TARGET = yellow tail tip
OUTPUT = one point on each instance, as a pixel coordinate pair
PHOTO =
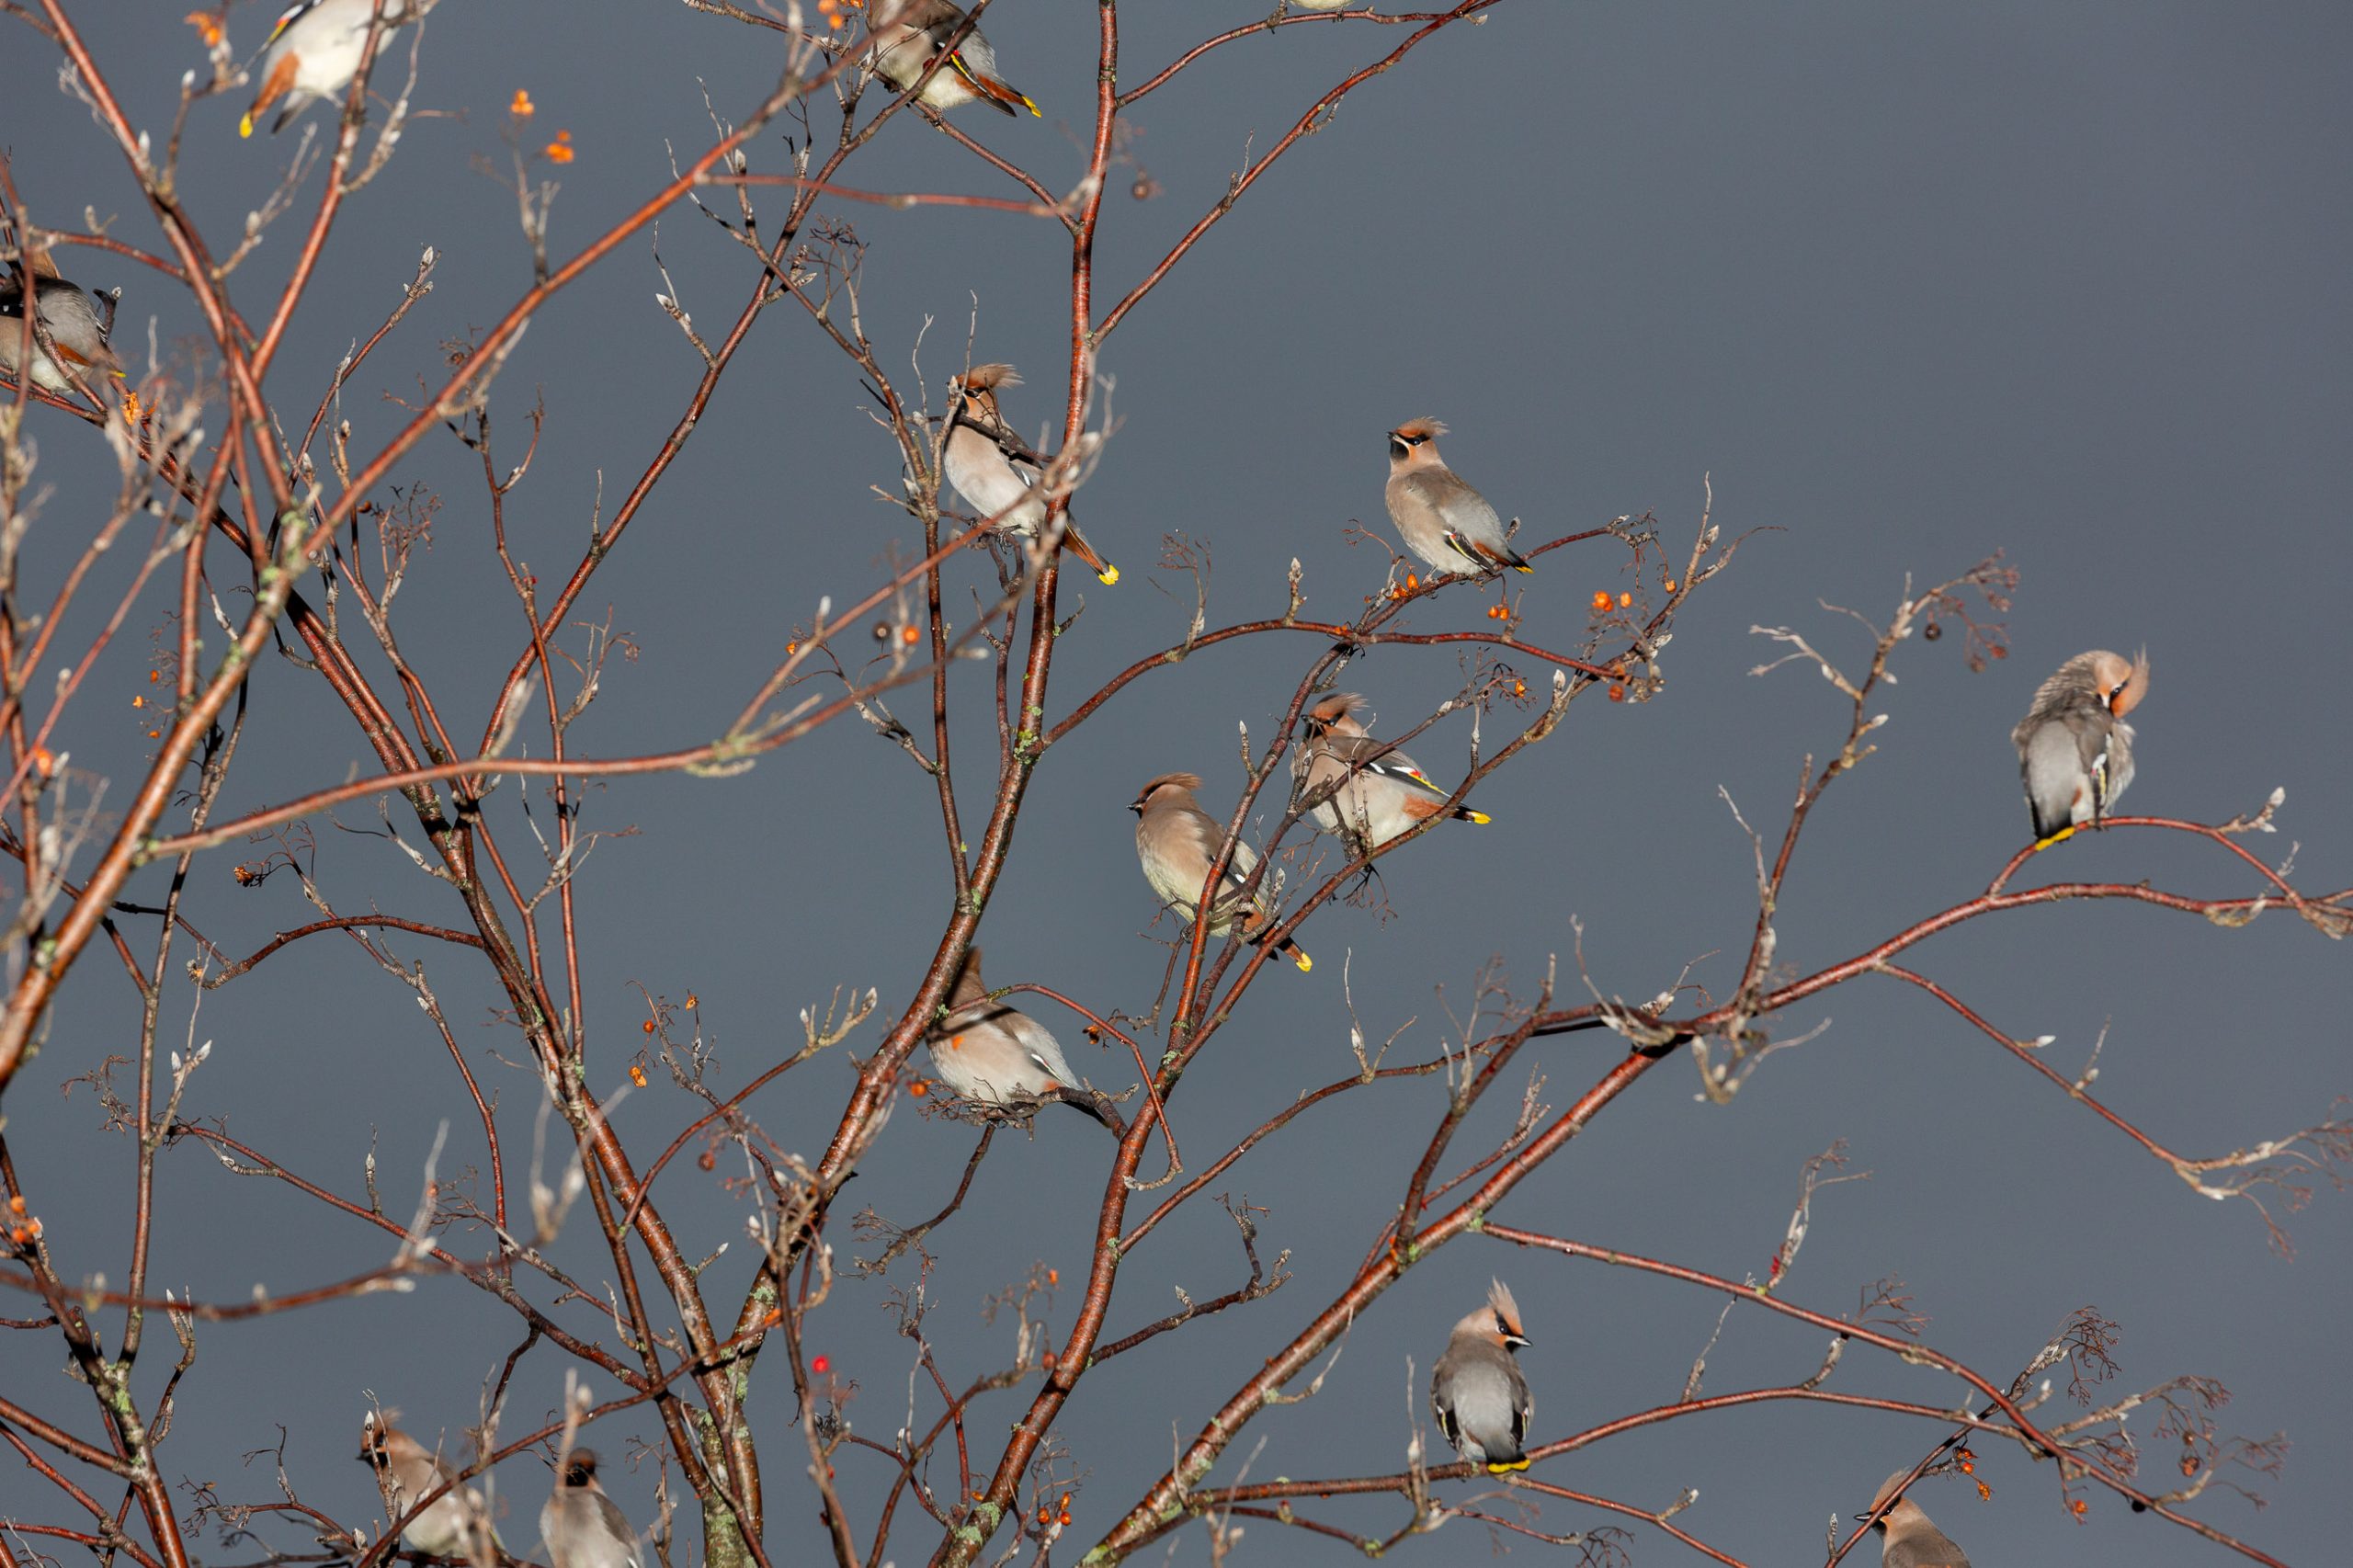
(1109, 574)
(1482, 818)
(1506, 1469)
(245, 126)
(1304, 961)
(1035, 112)
(2061, 836)
(1522, 566)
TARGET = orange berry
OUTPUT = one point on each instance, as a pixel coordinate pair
(1519, 688)
(1065, 1516)
(153, 734)
(909, 635)
(1616, 692)
(919, 1088)
(690, 998)
(820, 1365)
(1670, 585)
(44, 760)
(140, 700)
(708, 1161)
(17, 1204)
(2080, 1506)
(522, 108)
(1412, 580)
(648, 1026)
(1601, 601)
(1624, 600)
(207, 27)
(1053, 1277)
(637, 1074)
(1984, 1493)
(154, 676)
(560, 150)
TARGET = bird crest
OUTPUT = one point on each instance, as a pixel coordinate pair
(1416, 431)
(988, 378)
(1338, 706)
(1506, 1310)
(1185, 781)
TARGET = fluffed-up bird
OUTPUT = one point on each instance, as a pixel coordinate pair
(1911, 1540)
(448, 1525)
(581, 1527)
(988, 1051)
(78, 322)
(1478, 1392)
(2075, 748)
(1379, 795)
(311, 55)
(1439, 515)
(995, 473)
(1178, 841)
(907, 34)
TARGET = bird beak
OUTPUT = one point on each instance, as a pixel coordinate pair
(1517, 1341)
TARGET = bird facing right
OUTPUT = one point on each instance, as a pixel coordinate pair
(1441, 518)
(311, 55)
(1376, 795)
(908, 33)
(73, 321)
(406, 1470)
(1178, 841)
(2074, 749)
(1911, 1542)
(581, 1526)
(1477, 1390)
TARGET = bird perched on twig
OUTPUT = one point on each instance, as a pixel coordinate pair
(1384, 793)
(987, 1052)
(1440, 517)
(906, 35)
(1911, 1542)
(995, 472)
(2075, 748)
(582, 1527)
(406, 1470)
(1178, 841)
(79, 324)
(1478, 1392)
(311, 55)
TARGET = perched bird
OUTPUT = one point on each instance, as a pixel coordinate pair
(1441, 518)
(78, 323)
(2075, 748)
(907, 35)
(407, 1470)
(1384, 793)
(985, 1051)
(311, 55)
(1178, 841)
(581, 1527)
(1480, 1399)
(1911, 1542)
(994, 472)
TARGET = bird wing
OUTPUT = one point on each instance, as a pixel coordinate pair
(615, 1521)
(1363, 755)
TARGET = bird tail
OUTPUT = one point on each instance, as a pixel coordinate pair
(1494, 1467)
(1000, 95)
(1076, 542)
(1296, 953)
(1464, 813)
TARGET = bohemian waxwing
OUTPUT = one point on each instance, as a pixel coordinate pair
(1912, 1541)
(985, 1051)
(581, 1527)
(908, 33)
(1179, 842)
(994, 472)
(1384, 793)
(78, 323)
(1441, 518)
(312, 54)
(1480, 1399)
(2074, 749)
(406, 1470)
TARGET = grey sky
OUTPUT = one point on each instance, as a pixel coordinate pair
(1909, 284)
